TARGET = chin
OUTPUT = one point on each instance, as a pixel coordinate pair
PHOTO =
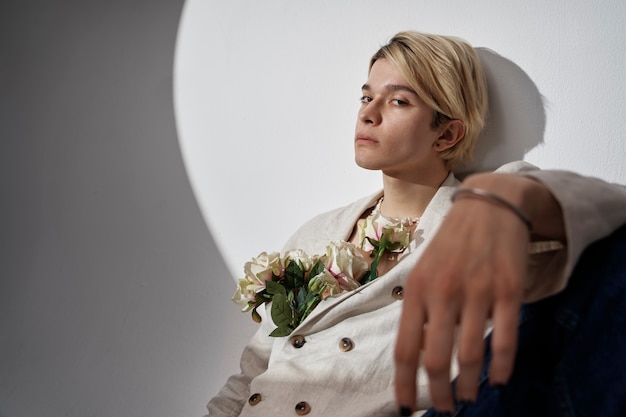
(366, 164)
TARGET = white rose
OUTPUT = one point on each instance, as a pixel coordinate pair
(375, 226)
(245, 294)
(263, 267)
(346, 263)
(260, 269)
(304, 261)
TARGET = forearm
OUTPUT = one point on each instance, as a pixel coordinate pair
(530, 196)
(562, 206)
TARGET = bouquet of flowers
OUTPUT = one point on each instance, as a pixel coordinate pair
(296, 282)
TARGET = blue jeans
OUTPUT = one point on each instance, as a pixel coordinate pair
(571, 358)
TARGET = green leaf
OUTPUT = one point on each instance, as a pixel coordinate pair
(300, 300)
(316, 269)
(281, 331)
(281, 311)
(294, 275)
(375, 243)
(374, 266)
(274, 288)
(394, 246)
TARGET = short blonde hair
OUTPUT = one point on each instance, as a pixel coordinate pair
(446, 73)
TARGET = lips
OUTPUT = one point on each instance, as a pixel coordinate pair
(364, 139)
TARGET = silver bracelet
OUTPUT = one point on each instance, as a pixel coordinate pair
(477, 192)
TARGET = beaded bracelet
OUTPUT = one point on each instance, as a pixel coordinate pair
(477, 192)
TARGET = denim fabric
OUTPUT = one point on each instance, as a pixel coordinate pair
(571, 358)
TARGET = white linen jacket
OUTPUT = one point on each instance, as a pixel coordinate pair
(339, 361)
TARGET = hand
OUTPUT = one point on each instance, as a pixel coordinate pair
(474, 269)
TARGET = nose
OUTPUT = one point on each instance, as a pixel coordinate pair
(369, 113)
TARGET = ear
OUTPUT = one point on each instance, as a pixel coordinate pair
(451, 133)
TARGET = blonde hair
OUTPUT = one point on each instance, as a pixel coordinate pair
(446, 73)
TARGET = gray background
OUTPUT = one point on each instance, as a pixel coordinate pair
(106, 265)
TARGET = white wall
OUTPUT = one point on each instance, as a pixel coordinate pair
(267, 92)
(113, 296)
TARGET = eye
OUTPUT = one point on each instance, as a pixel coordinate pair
(399, 102)
(365, 99)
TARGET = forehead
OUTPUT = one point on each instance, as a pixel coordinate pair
(384, 74)
(383, 68)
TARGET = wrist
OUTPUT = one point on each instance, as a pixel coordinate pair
(528, 195)
(492, 198)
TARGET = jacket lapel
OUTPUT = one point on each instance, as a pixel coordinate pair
(366, 295)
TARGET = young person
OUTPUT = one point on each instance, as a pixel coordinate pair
(509, 236)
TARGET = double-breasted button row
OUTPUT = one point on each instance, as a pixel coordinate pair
(345, 344)
(302, 408)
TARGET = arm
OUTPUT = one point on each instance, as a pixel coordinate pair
(475, 269)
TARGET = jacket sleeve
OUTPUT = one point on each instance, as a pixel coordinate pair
(592, 209)
(254, 360)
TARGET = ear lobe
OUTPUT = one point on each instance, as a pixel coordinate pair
(451, 133)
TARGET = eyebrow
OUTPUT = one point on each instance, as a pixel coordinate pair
(391, 87)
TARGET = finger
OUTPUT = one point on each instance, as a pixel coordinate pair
(438, 353)
(471, 347)
(408, 348)
(504, 339)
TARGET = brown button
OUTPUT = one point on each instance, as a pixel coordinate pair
(254, 399)
(298, 341)
(346, 344)
(303, 408)
(397, 293)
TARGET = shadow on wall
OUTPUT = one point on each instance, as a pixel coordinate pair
(517, 117)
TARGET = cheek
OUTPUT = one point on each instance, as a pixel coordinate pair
(404, 127)
(405, 137)
(422, 134)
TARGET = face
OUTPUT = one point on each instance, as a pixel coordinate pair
(393, 130)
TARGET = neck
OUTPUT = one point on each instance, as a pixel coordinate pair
(408, 198)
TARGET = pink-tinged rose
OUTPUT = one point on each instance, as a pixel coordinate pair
(375, 226)
(324, 284)
(346, 263)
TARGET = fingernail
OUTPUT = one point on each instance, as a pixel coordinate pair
(405, 411)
